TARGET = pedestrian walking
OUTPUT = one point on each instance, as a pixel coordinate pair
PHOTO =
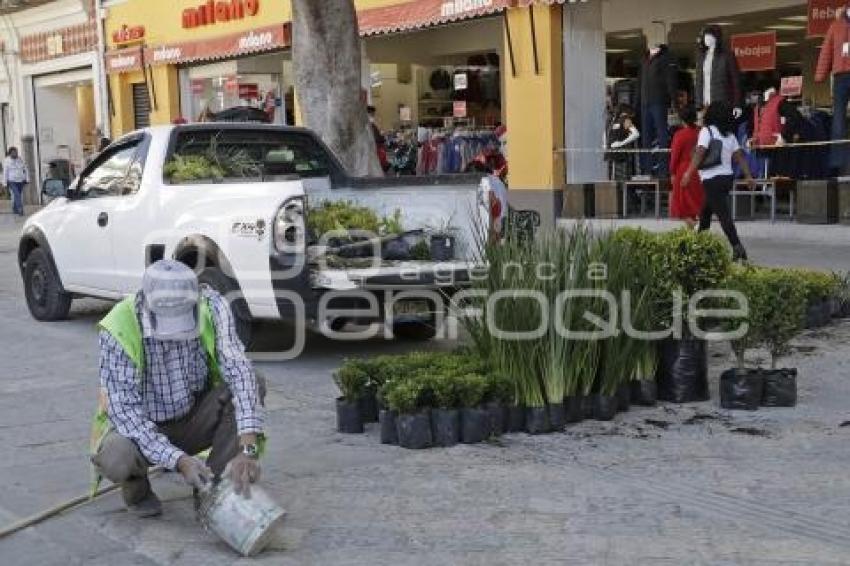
(15, 177)
(717, 146)
(686, 201)
(175, 381)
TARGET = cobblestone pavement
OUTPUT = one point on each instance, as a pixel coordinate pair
(663, 486)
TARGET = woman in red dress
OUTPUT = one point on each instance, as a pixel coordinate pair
(685, 202)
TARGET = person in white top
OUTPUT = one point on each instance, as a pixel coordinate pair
(15, 177)
(718, 177)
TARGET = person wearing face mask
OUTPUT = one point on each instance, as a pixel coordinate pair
(718, 78)
(835, 59)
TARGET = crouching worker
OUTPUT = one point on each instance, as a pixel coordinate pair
(175, 381)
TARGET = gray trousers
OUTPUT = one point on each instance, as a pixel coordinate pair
(210, 424)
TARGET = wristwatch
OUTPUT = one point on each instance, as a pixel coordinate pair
(251, 451)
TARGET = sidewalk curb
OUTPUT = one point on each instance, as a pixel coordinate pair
(833, 234)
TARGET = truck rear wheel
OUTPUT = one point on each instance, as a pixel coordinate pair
(45, 298)
(229, 289)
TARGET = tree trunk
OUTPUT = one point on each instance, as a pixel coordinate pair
(327, 59)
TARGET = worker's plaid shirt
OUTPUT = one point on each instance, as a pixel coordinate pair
(175, 375)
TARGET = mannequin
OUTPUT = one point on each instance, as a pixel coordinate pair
(656, 93)
(835, 59)
(718, 77)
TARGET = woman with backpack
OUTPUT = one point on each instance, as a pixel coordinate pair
(716, 148)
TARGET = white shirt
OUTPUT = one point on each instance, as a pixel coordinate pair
(15, 171)
(706, 77)
(730, 146)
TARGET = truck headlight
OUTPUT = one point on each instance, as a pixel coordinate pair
(290, 227)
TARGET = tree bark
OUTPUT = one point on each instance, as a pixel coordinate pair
(327, 60)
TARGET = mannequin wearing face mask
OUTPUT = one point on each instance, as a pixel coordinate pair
(656, 93)
(718, 78)
(834, 59)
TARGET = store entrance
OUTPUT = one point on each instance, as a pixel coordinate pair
(760, 64)
(437, 98)
(66, 126)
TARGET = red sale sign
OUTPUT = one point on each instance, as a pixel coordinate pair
(755, 51)
(791, 87)
(821, 15)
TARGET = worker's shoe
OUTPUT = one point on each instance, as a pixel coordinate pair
(149, 506)
(140, 499)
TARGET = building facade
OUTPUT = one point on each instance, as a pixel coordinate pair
(544, 69)
(52, 101)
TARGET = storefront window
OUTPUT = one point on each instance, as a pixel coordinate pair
(232, 92)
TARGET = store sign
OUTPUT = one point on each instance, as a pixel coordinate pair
(249, 91)
(405, 114)
(755, 51)
(55, 45)
(821, 15)
(163, 55)
(462, 7)
(459, 109)
(791, 87)
(127, 34)
(212, 12)
(198, 86)
(461, 81)
(231, 85)
(123, 60)
(234, 45)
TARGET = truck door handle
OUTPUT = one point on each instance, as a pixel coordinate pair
(102, 219)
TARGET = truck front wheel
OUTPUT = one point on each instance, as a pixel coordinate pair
(229, 289)
(45, 298)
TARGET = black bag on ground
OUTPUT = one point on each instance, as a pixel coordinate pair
(780, 388)
(683, 371)
(741, 390)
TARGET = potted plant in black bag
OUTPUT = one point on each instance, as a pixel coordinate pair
(693, 261)
(781, 324)
(445, 416)
(351, 381)
(407, 397)
(742, 387)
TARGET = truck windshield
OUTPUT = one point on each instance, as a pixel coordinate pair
(245, 154)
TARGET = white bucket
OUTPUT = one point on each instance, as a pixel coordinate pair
(245, 524)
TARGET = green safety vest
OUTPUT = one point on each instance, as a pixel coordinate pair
(123, 324)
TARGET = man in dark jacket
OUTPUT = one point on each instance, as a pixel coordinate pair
(656, 94)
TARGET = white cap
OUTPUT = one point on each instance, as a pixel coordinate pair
(171, 295)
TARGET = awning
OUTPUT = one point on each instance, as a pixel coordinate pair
(258, 40)
(421, 14)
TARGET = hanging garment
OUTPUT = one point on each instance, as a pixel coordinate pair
(725, 80)
(832, 58)
(768, 122)
(657, 79)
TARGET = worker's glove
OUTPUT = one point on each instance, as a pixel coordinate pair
(616, 145)
(194, 472)
(243, 470)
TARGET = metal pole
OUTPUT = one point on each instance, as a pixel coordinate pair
(510, 44)
(534, 41)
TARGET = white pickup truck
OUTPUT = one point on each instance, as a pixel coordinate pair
(245, 233)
